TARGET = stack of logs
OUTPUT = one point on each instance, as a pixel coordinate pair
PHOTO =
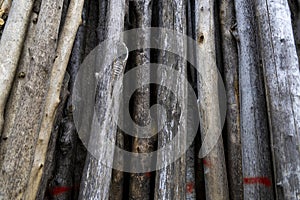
(256, 47)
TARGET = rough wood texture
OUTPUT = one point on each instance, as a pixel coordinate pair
(51, 160)
(170, 181)
(11, 42)
(65, 155)
(22, 136)
(64, 48)
(282, 83)
(139, 188)
(231, 80)
(215, 170)
(254, 129)
(98, 187)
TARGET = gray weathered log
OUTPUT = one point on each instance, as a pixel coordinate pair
(254, 126)
(98, 186)
(231, 73)
(282, 83)
(170, 181)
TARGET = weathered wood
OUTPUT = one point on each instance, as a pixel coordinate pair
(98, 186)
(64, 48)
(22, 136)
(65, 155)
(51, 159)
(170, 181)
(295, 11)
(254, 126)
(215, 170)
(140, 182)
(231, 80)
(282, 83)
(12, 42)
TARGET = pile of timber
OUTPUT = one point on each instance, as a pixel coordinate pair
(254, 44)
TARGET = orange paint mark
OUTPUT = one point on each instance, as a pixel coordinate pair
(190, 187)
(258, 180)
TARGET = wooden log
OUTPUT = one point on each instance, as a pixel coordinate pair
(64, 48)
(98, 186)
(140, 182)
(231, 80)
(295, 14)
(51, 159)
(170, 181)
(282, 84)
(65, 155)
(257, 165)
(12, 42)
(215, 170)
(21, 141)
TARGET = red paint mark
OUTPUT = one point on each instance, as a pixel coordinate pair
(189, 187)
(258, 180)
(148, 174)
(59, 190)
(206, 163)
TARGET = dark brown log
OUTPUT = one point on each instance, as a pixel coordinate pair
(140, 182)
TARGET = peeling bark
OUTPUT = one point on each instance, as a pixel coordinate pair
(231, 74)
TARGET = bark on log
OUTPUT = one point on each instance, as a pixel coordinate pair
(282, 83)
(98, 187)
(170, 181)
(231, 80)
(140, 182)
(11, 42)
(254, 129)
(215, 170)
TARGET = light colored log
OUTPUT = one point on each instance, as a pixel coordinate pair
(11, 43)
(63, 53)
(210, 118)
(20, 142)
(282, 83)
